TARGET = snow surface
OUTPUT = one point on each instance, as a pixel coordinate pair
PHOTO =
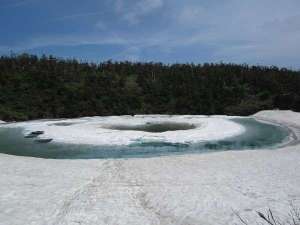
(94, 131)
(176, 190)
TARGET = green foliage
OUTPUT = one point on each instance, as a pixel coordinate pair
(47, 87)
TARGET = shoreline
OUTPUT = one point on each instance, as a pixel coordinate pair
(294, 137)
(293, 129)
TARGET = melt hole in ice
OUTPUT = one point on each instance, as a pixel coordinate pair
(153, 127)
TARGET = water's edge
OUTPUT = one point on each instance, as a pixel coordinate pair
(259, 134)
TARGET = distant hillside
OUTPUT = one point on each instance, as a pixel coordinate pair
(47, 87)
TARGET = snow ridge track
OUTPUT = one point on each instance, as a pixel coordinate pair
(111, 191)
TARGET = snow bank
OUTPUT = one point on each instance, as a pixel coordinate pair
(287, 117)
(95, 131)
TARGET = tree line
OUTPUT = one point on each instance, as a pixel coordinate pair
(33, 87)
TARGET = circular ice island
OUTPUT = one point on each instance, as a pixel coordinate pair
(137, 136)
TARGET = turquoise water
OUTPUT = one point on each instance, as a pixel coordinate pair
(258, 135)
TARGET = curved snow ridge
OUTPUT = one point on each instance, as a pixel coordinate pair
(96, 131)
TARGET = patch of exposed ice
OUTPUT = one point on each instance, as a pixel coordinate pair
(95, 130)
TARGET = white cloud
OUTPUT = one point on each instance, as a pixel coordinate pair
(193, 16)
(134, 13)
(252, 31)
(77, 16)
(101, 25)
(119, 5)
(290, 24)
(132, 54)
(66, 40)
(18, 3)
(234, 30)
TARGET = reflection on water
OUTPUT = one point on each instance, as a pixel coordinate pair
(257, 135)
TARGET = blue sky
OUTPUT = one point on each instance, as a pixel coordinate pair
(241, 31)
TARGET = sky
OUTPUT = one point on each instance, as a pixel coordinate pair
(264, 32)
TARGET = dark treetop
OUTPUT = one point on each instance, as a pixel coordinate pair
(47, 87)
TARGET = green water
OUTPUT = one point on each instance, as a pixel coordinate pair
(258, 135)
